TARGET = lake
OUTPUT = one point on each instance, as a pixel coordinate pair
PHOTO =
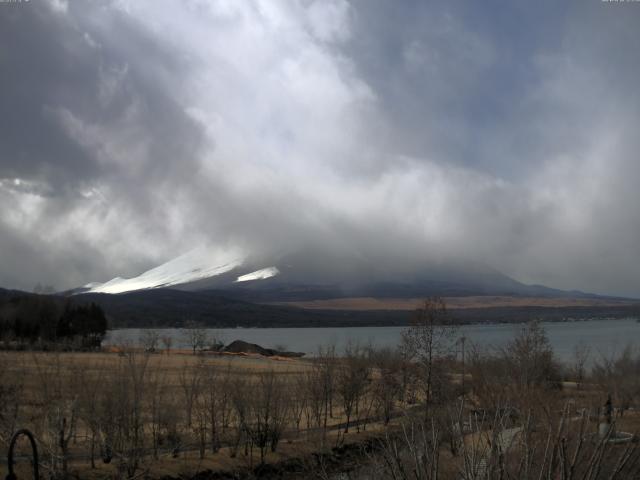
(604, 337)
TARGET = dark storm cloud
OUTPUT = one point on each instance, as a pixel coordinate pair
(85, 109)
(454, 77)
(134, 131)
(36, 72)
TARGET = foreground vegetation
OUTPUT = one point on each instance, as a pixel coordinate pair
(436, 407)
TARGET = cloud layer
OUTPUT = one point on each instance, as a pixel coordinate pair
(133, 131)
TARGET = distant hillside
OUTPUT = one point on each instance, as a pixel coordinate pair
(172, 308)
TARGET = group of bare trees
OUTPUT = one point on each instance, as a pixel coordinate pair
(496, 447)
(130, 413)
(194, 335)
(129, 409)
(506, 414)
(495, 413)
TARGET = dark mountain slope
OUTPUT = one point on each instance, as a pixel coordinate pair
(172, 308)
(302, 280)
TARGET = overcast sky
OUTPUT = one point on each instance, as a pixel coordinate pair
(132, 131)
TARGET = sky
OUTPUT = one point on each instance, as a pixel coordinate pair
(132, 131)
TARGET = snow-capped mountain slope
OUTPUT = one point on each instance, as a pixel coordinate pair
(195, 265)
(318, 273)
(261, 274)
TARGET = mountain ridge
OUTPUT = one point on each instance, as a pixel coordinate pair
(317, 274)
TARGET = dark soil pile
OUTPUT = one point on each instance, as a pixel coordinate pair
(239, 346)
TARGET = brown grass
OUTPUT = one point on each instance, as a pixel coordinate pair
(370, 303)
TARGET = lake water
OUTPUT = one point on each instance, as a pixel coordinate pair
(604, 337)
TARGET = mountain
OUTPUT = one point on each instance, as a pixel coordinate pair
(200, 263)
(328, 287)
(317, 287)
(318, 274)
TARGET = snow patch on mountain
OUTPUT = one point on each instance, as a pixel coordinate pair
(195, 265)
(261, 274)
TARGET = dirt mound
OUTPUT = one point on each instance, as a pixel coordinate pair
(240, 346)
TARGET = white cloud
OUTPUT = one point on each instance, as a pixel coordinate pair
(329, 20)
(58, 6)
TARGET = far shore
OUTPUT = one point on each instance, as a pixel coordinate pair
(456, 303)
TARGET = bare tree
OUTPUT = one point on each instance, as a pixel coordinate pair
(60, 409)
(195, 336)
(167, 342)
(240, 398)
(314, 383)
(122, 413)
(150, 340)
(91, 389)
(201, 413)
(531, 357)
(158, 407)
(581, 353)
(387, 383)
(225, 397)
(352, 378)
(411, 454)
(267, 413)
(190, 379)
(521, 377)
(556, 448)
(428, 339)
(491, 382)
(213, 404)
(324, 382)
(298, 403)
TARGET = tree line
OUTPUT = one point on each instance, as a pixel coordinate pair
(46, 320)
